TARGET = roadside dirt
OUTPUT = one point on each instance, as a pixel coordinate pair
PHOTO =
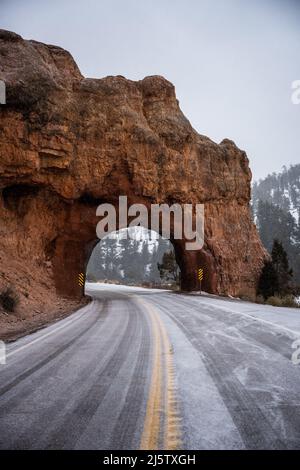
(38, 303)
(12, 326)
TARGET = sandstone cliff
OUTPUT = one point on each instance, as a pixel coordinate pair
(68, 143)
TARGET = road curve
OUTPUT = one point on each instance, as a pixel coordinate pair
(149, 369)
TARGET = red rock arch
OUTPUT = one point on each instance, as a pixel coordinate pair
(68, 143)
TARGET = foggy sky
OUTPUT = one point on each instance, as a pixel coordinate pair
(232, 61)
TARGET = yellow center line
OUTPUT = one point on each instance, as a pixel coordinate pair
(172, 439)
(150, 435)
(161, 401)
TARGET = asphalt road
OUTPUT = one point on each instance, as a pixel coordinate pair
(139, 368)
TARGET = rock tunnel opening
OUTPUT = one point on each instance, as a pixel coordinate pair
(134, 256)
(71, 248)
(73, 254)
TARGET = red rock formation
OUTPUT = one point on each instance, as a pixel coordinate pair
(68, 143)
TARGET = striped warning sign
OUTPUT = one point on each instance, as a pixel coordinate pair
(200, 274)
(81, 279)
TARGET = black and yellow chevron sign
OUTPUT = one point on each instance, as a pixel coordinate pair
(200, 274)
(81, 279)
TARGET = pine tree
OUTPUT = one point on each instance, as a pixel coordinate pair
(281, 266)
(273, 222)
(276, 209)
(168, 269)
(268, 284)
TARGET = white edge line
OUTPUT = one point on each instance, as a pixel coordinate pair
(40, 338)
(261, 320)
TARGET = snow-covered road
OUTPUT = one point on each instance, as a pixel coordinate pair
(146, 368)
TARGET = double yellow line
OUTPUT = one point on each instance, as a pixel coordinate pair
(162, 422)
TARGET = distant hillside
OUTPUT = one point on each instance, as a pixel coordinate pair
(129, 260)
(280, 189)
(276, 211)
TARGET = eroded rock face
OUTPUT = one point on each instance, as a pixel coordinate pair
(68, 143)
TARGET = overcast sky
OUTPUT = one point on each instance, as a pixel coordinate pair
(232, 61)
